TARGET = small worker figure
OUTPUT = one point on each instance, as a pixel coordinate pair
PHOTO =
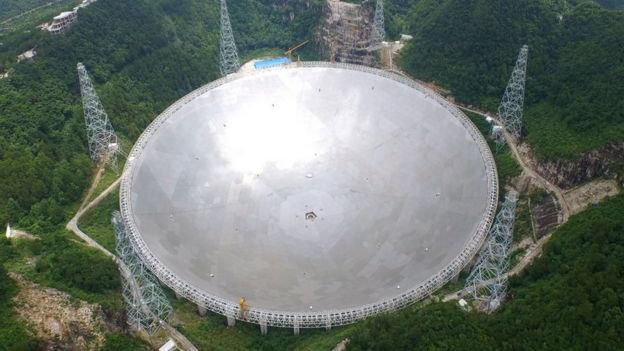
(244, 308)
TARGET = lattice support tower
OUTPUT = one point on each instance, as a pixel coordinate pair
(146, 303)
(378, 33)
(104, 145)
(510, 108)
(229, 53)
(487, 282)
(498, 135)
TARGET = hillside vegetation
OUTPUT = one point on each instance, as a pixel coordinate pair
(574, 100)
(571, 298)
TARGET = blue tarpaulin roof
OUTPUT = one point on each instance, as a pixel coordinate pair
(272, 62)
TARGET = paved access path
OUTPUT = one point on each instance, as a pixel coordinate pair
(72, 226)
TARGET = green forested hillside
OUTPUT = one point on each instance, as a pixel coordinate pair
(571, 298)
(575, 101)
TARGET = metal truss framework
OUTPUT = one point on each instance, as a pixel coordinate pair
(327, 318)
(378, 33)
(227, 47)
(487, 282)
(497, 134)
(103, 142)
(146, 304)
(510, 108)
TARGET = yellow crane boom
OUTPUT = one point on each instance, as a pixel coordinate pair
(290, 51)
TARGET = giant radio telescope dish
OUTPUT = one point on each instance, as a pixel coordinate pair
(323, 193)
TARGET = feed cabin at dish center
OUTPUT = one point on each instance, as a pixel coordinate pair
(323, 193)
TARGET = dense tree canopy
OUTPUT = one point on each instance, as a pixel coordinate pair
(571, 298)
(575, 101)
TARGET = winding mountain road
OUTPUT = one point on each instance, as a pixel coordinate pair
(72, 226)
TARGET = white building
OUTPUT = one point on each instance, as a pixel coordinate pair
(63, 21)
(170, 345)
(26, 55)
(8, 231)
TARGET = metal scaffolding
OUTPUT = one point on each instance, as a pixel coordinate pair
(510, 109)
(378, 33)
(487, 282)
(146, 304)
(104, 145)
(229, 54)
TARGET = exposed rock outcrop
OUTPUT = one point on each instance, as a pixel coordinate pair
(590, 165)
(61, 321)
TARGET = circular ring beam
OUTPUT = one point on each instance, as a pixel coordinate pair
(322, 193)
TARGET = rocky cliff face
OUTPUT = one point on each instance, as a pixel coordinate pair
(61, 321)
(345, 32)
(596, 163)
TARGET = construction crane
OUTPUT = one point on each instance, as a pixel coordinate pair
(290, 51)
